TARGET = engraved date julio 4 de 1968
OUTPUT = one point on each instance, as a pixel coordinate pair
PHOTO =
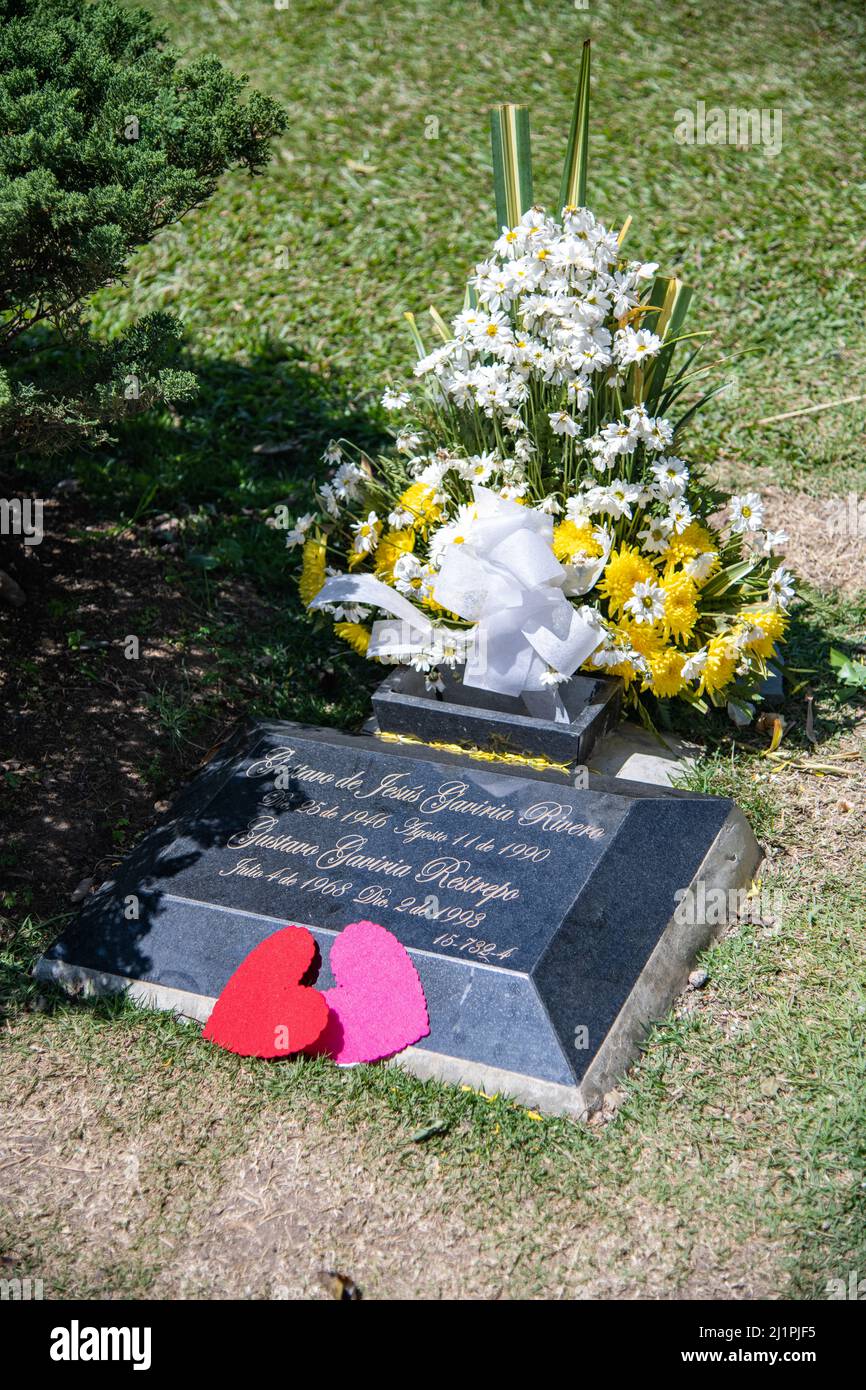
(449, 871)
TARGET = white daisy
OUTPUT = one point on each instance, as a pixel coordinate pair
(765, 542)
(579, 394)
(656, 534)
(478, 467)
(671, 475)
(747, 513)
(347, 481)
(617, 498)
(551, 506)
(329, 500)
(366, 534)
(620, 437)
(562, 423)
(298, 533)
(647, 603)
(410, 577)
(693, 665)
(408, 442)
(635, 346)
(509, 243)
(680, 515)
(456, 532)
(780, 587)
(700, 566)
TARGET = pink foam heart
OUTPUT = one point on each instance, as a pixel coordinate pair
(377, 1006)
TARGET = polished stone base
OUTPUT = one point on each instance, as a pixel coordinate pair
(402, 704)
(636, 754)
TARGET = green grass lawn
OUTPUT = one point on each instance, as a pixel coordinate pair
(361, 215)
(733, 1163)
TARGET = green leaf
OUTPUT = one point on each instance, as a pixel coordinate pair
(415, 335)
(679, 380)
(848, 672)
(668, 324)
(229, 551)
(707, 396)
(659, 297)
(430, 1131)
(440, 324)
(572, 192)
(512, 163)
(727, 578)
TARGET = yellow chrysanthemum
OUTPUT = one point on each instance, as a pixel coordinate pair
(357, 636)
(667, 672)
(625, 568)
(694, 540)
(772, 624)
(433, 607)
(624, 670)
(312, 571)
(720, 664)
(681, 611)
(419, 499)
(392, 545)
(569, 540)
(645, 638)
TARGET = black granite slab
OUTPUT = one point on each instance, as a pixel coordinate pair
(473, 718)
(532, 909)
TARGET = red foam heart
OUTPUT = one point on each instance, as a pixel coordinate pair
(377, 1006)
(264, 1010)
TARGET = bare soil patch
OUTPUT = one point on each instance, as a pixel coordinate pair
(94, 741)
(827, 537)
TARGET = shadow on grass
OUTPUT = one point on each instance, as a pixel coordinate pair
(93, 739)
(254, 435)
(819, 624)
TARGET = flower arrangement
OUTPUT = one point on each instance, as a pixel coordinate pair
(536, 516)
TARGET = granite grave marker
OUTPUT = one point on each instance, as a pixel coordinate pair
(539, 915)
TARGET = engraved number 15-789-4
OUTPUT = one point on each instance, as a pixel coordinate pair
(487, 950)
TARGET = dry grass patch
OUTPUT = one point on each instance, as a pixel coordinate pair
(827, 536)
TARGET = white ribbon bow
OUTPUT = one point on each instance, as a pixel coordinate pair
(504, 578)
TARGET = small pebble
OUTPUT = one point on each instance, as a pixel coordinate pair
(80, 893)
(698, 979)
(166, 531)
